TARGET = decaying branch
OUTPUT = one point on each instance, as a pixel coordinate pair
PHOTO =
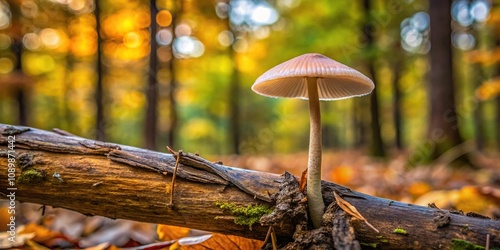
(117, 181)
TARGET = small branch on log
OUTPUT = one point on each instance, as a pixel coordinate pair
(119, 181)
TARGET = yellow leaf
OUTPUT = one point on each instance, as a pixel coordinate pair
(489, 89)
(419, 188)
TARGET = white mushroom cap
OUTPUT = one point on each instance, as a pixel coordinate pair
(335, 80)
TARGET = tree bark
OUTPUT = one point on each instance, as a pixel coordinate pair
(100, 122)
(396, 102)
(377, 147)
(443, 130)
(117, 181)
(152, 86)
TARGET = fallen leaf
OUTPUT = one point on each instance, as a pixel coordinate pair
(43, 235)
(219, 241)
(419, 188)
(167, 232)
(350, 209)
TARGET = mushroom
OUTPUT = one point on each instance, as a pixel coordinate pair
(314, 77)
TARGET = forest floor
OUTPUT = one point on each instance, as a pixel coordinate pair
(463, 189)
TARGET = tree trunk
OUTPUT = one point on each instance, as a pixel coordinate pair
(498, 122)
(234, 104)
(100, 122)
(497, 100)
(396, 102)
(377, 148)
(443, 127)
(117, 181)
(152, 87)
(173, 121)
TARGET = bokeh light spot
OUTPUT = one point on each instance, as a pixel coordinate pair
(226, 38)
(263, 14)
(240, 45)
(50, 38)
(29, 9)
(221, 9)
(480, 10)
(6, 65)
(164, 18)
(5, 41)
(463, 41)
(32, 41)
(188, 46)
(182, 29)
(132, 40)
(164, 37)
(5, 15)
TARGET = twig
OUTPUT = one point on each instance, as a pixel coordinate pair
(178, 155)
(271, 233)
(487, 247)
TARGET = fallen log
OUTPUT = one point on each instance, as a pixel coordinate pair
(118, 181)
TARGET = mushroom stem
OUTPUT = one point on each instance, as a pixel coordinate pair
(314, 194)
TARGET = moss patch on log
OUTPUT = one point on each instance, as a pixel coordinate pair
(458, 244)
(400, 231)
(31, 176)
(245, 215)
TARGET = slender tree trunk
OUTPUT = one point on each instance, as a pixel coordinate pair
(177, 8)
(173, 119)
(377, 148)
(100, 125)
(443, 127)
(497, 100)
(360, 122)
(234, 104)
(396, 102)
(234, 94)
(478, 111)
(498, 122)
(152, 86)
(20, 94)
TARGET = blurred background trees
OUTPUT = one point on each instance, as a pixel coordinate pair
(178, 73)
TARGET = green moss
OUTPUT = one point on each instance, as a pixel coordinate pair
(458, 244)
(372, 245)
(31, 176)
(400, 231)
(245, 215)
(381, 238)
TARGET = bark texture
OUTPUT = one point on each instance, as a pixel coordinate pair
(117, 181)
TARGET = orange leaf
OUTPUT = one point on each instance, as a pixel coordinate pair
(303, 180)
(221, 241)
(342, 174)
(350, 209)
(167, 232)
